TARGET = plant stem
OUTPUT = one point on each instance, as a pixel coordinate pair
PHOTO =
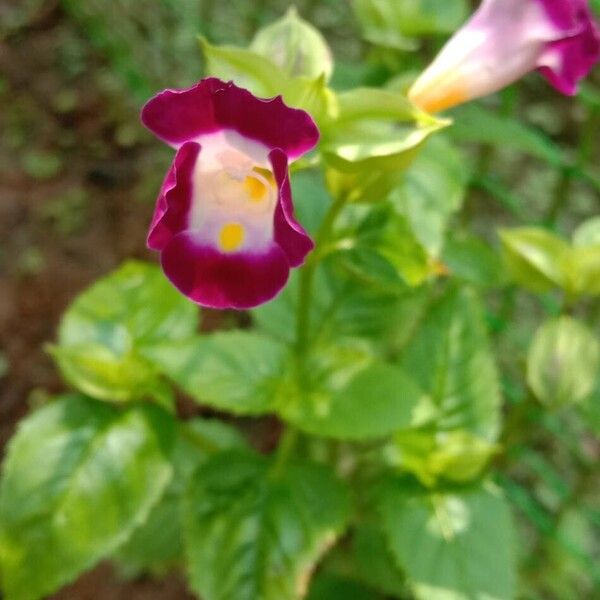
(307, 276)
(284, 450)
(289, 438)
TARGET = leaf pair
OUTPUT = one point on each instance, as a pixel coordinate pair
(540, 261)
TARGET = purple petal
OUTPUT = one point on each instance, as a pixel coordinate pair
(566, 13)
(568, 60)
(217, 280)
(289, 234)
(177, 116)
(174, 199)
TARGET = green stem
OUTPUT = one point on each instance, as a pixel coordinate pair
(307, 276)
(287, 443)
(290, 437)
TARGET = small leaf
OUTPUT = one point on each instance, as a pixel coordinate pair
(366, 186)
(295, 46)
(246, 68)
(350, 397)
(586, 257)
(585, 270)
(455, 456)
(387, 234)
(563, 362)
(231, 370)
(536, 259)
(78, 478)
(265, 79)
(452, 545)
(375, 129)
(103, 334)
(450, 358)
(253, 536)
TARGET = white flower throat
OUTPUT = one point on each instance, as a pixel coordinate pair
(234, 193)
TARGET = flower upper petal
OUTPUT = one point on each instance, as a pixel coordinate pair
(178, 116)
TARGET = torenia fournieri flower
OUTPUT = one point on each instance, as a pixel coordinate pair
(224, 220)
(504, 40)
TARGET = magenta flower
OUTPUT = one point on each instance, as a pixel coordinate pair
(224, 220)
(504, 40)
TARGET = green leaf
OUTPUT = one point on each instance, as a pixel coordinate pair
(433, 190)
(474, 123)
(385, 317)
(473, 260)
(251, 535)
(450, 358)
(375, 129)
(347, 400)
(536, 259)
(295, 46)
(78, 478)
(386, 234)
(311, 198)
(264, 78)
(231, 370)
(452, 545)
(585, 270)
(246, 68)
(366, 186)
(455, 456)
(345, 308)
(539, 260)
(586, 257)
(563, 362)
(103, 334)
(157, 545)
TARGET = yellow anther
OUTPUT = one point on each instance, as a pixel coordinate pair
(255, 188)
(259, 184)
(231, 237)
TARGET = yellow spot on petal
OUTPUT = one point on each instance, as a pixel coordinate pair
(231, 237)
